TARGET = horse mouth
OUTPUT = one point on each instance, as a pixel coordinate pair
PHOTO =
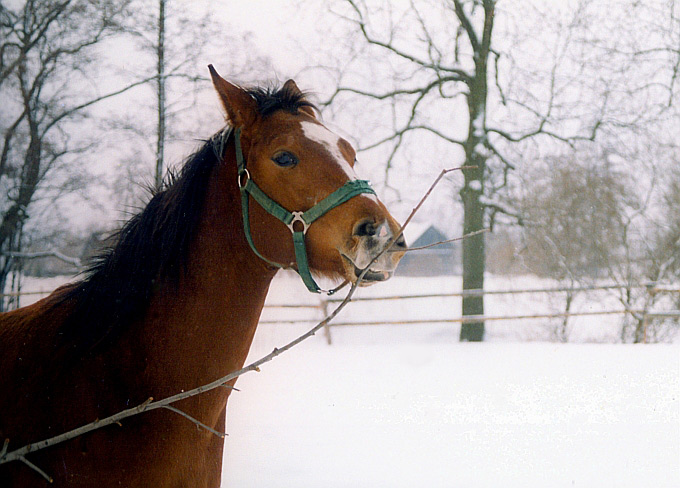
(370, 276)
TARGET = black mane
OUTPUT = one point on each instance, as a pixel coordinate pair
(153, 246)
(270, 100)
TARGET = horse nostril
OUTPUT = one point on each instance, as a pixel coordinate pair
(365, 228)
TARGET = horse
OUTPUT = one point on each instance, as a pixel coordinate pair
(174, 302)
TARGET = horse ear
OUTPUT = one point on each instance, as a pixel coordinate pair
(240, 106)
(292, 87)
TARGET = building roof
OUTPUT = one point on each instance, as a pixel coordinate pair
(429, 236)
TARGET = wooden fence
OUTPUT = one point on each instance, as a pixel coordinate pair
(324, 306)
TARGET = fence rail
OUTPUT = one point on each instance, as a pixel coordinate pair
(651, 288)
(466, 319)
(27, 293)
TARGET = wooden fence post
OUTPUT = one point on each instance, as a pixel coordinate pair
(326, 327)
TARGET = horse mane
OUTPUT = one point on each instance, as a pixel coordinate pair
(153, 246)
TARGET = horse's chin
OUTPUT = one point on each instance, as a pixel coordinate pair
(370, 276)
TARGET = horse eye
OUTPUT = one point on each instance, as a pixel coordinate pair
(285, 159)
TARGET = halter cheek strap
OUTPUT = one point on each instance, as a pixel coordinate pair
(290, 219)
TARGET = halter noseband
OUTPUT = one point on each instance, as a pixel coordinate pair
(248, 187)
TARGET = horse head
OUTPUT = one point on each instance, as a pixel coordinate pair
(302, 177)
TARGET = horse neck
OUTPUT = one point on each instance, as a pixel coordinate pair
(202, 328)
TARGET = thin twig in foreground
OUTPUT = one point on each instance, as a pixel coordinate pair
(219, 434)
(439, 243)
(36, 468)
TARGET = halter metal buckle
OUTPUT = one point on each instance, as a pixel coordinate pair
(297, 217)
(241, 175)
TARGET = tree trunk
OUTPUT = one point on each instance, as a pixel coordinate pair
(474, 248)
(563, 335)
(13, 219)
(160, 53)
(474, 263)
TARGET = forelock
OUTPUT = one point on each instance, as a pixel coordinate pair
(271, 99)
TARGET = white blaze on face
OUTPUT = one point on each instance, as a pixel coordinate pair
(319, 134)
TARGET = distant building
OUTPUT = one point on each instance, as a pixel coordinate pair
(434, 261)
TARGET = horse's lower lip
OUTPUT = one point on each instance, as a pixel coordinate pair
(371, 275)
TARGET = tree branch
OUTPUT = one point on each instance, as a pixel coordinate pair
(77, 108)
(540, 130)
(33, 37)
(464, 75)
(409, 128)
(489, 12)
(447, 241)
(9, 134)
(36, 468)
(467, 25)
(391, 94)
(219, 434)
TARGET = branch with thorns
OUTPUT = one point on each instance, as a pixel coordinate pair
(165, 403)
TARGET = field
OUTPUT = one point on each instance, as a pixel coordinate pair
(407, 406)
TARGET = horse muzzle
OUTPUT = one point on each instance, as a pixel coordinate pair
(368, 254)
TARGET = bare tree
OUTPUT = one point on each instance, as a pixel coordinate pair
(53, 56)
(451, 63)
(176, 39)
(496, 81)
(578, 210)
(173, 46)
(655, 260)
(588, 219)
(46, 59)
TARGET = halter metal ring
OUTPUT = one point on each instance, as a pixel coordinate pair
(241, 174)
(297, 217)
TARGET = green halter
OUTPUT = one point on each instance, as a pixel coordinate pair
(248, 187)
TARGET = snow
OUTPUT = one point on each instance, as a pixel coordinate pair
(482, 150)
(478, 125)
(476, 185)
(458, 415)
(405, 406)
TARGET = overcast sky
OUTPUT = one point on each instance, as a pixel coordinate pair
(277, 26)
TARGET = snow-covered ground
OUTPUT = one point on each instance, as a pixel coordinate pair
(37, 288)
(458, 415)
(410, 406)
